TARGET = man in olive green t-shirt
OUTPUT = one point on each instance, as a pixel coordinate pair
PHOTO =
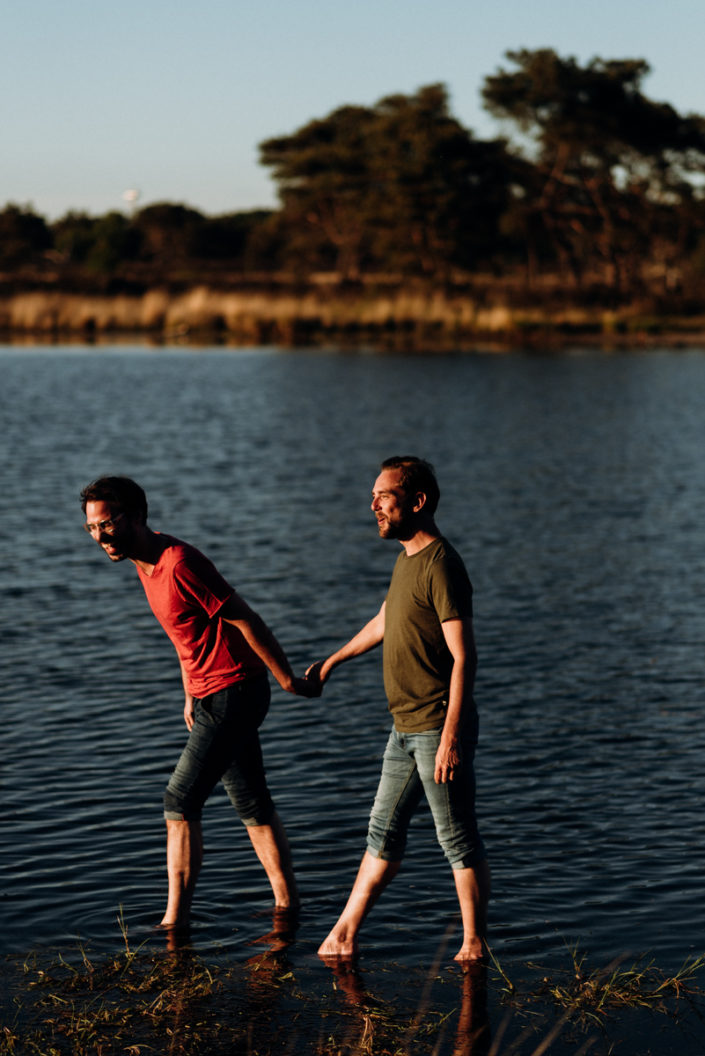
(429, 651)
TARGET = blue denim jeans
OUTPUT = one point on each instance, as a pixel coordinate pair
(407, 773)
(223, 745)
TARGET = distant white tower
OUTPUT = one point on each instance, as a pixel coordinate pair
(131, 196)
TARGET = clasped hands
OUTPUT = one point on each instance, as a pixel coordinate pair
(310, 685)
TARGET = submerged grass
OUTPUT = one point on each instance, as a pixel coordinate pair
(173, 1003)
(592, 994)
(636, 997)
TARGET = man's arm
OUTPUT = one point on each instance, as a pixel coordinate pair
(369, 637)
(188, 705)
(258, 636)
(460, 640)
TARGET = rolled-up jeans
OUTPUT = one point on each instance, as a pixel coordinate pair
(223, 745)
(407, 774)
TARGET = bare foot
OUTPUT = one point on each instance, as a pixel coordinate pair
(167, 922)
(293, 905)
(339, 946)
(473, 951)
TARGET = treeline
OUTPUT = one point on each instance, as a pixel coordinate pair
(592, 186)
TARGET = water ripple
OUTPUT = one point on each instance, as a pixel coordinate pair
(574, 487)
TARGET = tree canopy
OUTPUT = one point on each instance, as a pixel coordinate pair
(606, 159)
(592, 181)
(393, 185)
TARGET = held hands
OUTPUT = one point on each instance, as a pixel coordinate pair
(307, 687)
(310, 685)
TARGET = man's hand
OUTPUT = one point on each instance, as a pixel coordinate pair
(189, 714)
(447, 762)
(307, 686)
(313, 675)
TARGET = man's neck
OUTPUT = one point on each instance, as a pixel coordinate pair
(421, 538)
(149, 548)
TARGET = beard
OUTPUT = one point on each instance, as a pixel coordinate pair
(403, 528)
(121, 542)
(118, 555)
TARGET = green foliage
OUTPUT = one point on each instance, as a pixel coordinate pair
(602, 187)
(323, 172)
(398, 186)
(167, 232)
(226, 238)
(23, 235)
(605, 157)
(74, 237)
(100, 245)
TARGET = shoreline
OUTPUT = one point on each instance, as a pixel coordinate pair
(409, 317)
(277, 1001)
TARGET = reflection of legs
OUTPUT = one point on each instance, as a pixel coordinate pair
(472, 1034)
(184, 854)
(473, 888)
(272, 848)
(372, 878)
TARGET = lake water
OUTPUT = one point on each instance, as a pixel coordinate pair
(574, 487)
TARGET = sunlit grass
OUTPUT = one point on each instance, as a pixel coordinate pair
(592, 993)
(584, 998)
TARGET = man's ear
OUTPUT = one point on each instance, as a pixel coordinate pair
(419, 501)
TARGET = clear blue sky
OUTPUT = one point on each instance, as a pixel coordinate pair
(173, 97)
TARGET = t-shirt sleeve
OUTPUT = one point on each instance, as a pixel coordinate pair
(198, 581)
(450, 589)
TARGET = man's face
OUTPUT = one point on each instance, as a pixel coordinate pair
(392, 507)
(112, 529)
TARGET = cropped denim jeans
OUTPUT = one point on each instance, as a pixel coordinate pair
(223, 745)
(407, 774)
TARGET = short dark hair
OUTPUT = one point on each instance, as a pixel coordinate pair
(118, 491)
(416, 475)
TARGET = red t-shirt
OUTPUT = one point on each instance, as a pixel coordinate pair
(186, 592)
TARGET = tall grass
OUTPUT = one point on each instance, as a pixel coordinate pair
(411, 314)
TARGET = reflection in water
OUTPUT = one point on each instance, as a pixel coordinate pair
(466, 1033)
(177, 937)
(245, 1004)
(473, 1036)
(285, 923)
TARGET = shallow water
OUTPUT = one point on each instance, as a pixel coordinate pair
(574, 487)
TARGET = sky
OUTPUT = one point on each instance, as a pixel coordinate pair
(172, 98)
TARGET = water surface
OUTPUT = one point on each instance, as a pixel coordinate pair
(574, 487)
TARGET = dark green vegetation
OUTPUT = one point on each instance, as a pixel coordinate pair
(598, 191)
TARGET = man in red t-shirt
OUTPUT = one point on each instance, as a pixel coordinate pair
(224, 650)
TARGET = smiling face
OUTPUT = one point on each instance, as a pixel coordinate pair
(112, 528)
(392, 506)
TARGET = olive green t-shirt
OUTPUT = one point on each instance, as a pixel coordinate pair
(426, 589)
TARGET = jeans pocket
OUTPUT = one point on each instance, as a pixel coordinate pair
(207, 708)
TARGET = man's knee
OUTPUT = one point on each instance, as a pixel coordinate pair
(177, 808)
